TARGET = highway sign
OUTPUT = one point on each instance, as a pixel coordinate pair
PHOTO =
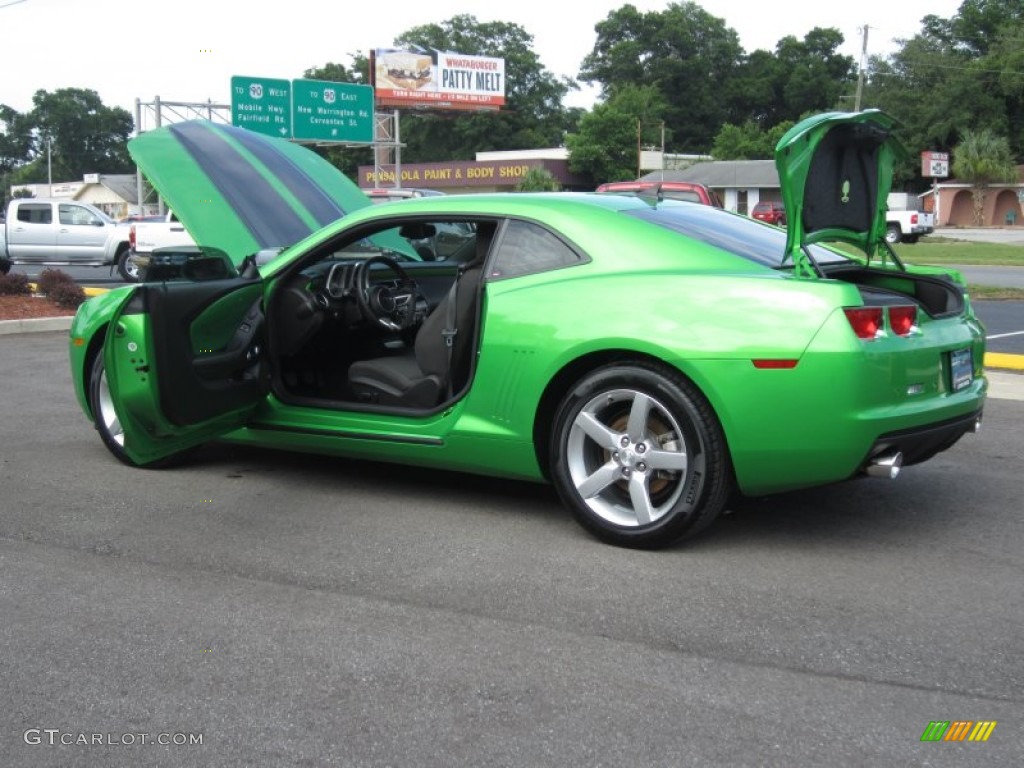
(262, 104)
(327, 111)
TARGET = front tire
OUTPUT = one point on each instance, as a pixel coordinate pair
(639, 457)
(105, 417)
(108, 423)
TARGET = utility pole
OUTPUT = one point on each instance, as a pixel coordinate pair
(860, 75)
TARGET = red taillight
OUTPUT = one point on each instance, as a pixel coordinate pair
(131, 237)
(865, 321)
(913, 218)
(902, 319)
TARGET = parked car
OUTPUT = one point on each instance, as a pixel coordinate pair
(390, 194)
(611, 345)
(770, 211)
(687, 191)
(61, 232)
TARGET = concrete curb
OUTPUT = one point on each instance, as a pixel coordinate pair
(35, 325)
(1004, 361)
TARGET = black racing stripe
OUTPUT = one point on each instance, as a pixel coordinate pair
(320, 205)
(261, 208)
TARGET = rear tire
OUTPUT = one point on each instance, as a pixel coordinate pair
(639, 457)
(893, 233)
(126, 266)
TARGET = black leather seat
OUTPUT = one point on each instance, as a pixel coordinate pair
(421, 379)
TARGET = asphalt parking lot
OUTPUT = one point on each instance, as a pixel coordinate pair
(291, 610)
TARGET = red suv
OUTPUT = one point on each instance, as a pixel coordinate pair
(770, 211)
(666, 190)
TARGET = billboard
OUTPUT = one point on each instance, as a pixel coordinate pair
(437, 79)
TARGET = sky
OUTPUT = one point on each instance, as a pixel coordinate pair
(188, 50)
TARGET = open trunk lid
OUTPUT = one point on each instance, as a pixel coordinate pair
(836, 173)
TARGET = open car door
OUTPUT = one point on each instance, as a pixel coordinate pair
(836, 172)
(184, 357)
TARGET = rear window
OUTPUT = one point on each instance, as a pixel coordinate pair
(736, 234)
(687, 196)
(35, 213)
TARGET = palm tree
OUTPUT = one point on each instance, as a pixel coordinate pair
(982, 158)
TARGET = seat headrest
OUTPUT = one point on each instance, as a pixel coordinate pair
(484, 235)
(417, 231)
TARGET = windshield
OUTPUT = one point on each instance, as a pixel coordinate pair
(747, 238)
(414, 240)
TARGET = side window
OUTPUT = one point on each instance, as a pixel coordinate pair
(35, 214)
(526, 248)
(76, 215)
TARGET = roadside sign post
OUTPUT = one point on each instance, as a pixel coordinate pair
(935, 165)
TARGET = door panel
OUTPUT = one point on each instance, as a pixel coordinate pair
(81, 235)
(32, 232)
(184, 363)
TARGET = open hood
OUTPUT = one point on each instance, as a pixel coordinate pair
(836, 172)
(240, 191)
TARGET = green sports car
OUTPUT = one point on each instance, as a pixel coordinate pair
(647, 357)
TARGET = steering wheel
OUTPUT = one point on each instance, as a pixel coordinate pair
(392, 307)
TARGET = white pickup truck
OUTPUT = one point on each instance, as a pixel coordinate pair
(903, 223)
(146, 236)
(63, 233)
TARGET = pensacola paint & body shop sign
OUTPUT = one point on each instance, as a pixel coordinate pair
(467, 173)
(437, 79)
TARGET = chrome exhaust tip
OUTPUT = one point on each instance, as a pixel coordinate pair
(977, 426)
(887, 465)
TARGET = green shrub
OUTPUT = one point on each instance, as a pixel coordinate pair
(66, 294)
(14, 284)
(50, 279)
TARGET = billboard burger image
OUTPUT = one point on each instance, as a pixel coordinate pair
(404, 69)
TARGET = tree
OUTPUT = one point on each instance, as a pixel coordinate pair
(748, 141)
(981, 159)
(538, 179)
(800, 77)
(960, 74)
(84, 135)
(15, 146)
(605, 143)
(687, 54)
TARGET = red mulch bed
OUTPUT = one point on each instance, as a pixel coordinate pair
(22, 307)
